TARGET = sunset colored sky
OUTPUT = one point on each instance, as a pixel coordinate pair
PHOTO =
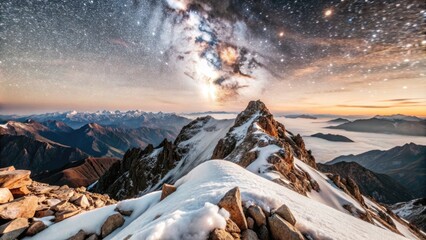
(334, 57)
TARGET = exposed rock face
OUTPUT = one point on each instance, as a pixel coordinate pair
(375, 185)
(282, 230)
(413, 211)
(232, 203)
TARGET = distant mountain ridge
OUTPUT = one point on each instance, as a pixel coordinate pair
(123, 119)
(406, 164)
(332, 137)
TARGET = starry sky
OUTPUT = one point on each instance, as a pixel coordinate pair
(300, 56)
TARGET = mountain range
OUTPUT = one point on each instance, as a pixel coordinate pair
(406, 164)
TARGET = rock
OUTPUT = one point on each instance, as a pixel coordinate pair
(282, 230)
(92, 237)
(64, 206)
(220, 234)
(20, 208)
(231, 227)
(15, 179)
(250, 222)
(167, 190)
(20, 192)
(13, 229)
(286, 214)
(81, 235)
(44, 213)
(10, 168)
(263, 233)
(82, 201)
(59, 216)
(113, 222)
(249, 235)
(99, 203)
(52, 202)
(124, 212)
(232, 203)
(5, 195)
(35, 228)
(257, 214)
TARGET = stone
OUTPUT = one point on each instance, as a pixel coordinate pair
(35, 228)
(263, 233)
(81, 235)
(286, 214)
(52, 202)
(232, 203)
(64, 206)
(257, 214)
(20, 192)
(5, 195)
(12, 229)
(99, 203)
(283, 230)
(220, 234)
(44, 213)
(250, 222)
(82, 201)
(10, 168)
(249, 235)
(92, 237)
(166, 190)
(15, 179)
(124, 212)
(24, 207)
(59, 216)
(231, 227)
(113, 222)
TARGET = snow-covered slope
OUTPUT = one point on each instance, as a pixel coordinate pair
(191, 213)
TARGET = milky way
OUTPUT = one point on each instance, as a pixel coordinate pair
(216, 52)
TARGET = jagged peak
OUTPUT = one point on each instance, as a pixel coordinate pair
(253, 108)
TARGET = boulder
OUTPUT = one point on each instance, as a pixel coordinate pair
(13, 229)
(250, 222)
(82, 201)
(257, 214)
(15, 179)
(113, 222)
(220, 234)
(263, 233)
(232, 203)
(5, 195)
(35, 228)
(283, 230)
(81, 235)
(286, 214)
(124, 212)
(231, 227)
(249, 235)
(167, 190)
(24, 207)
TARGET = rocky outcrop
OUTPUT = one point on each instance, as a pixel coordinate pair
(277, 224)
(18, 212)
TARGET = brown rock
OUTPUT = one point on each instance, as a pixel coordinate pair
(81, 235)
(20, 208)
(220, 234)
(44, 213)
(258, 215)
(5, 195)
(59, 216)
(82, 201)
(99, 203)
(64, 206)
(232, 203)
(52, 202)
(282, 230)
(263, 233)
(15, 179)
(286, 214)
(113, 222)
(124, 212)
(20, 192)
(231, 227)
(167, 190)
(92, 237)
(13, 229)
(35, 228)
(250, 222)
(249, 235)
(10, 168)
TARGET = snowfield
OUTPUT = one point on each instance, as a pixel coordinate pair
(191, 211)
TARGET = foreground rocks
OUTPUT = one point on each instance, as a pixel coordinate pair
(22, 200)
(254, 223)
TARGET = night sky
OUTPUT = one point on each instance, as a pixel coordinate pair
(344, 57)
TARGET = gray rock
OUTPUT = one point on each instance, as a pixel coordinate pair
(257, 214)
(249, 235)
